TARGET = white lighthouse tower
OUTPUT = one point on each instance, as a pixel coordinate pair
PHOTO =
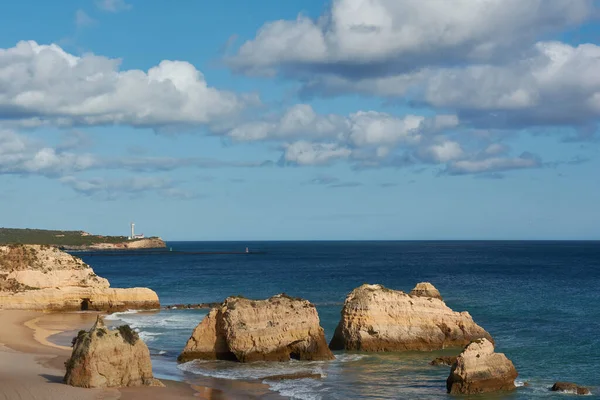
(132, 231)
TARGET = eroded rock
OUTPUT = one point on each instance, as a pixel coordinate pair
(568, 387)
(375, 318)
(447, 360)
(103, 357)
(277, 329)
(478, 369)
(426, 289)
(38, 277)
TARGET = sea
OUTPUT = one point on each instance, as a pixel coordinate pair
(540, 301)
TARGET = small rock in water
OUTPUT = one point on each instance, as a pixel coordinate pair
(569, 387)
(478, 369)
(299, 375)
(443, 361)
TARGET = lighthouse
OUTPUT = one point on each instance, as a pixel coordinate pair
(132, 231)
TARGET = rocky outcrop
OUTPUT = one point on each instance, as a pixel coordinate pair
(109, 358)
(149, 243)
(443, 361)
(375, 318)
(277, 329)
(38, 277)
(571, 388)
(479, 370)
(426, 289)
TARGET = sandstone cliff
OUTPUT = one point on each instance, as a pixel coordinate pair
(479, 370)
(375, 318)
(149, 243)
(277, 329)
(109, 358)
(38, 277)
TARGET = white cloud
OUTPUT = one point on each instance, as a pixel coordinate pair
(374, 37)
(113, 5)
(19, 155)
(82, 19)
(108, 189)
(493, 164)
(441, 152)
(44, 84)
(307, 153)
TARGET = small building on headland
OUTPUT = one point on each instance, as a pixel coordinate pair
(133, 235)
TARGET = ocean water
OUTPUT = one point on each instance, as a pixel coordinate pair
(539, 300)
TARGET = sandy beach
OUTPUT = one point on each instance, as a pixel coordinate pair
(31, 367)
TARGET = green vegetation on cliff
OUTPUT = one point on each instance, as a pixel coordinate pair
(55, 238)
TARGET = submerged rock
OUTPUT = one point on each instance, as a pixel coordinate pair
(568, 387)
(109, 358)
(38, 277)
(375, 318)
(443, 361)
(478, 369)
(426, 289)
(277, 329)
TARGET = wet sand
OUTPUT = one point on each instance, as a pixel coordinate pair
(32, 367)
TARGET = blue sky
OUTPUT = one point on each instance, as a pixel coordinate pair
(343, 119)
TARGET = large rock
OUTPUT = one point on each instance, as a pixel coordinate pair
(38, 277)
(426, 289)
(479, 370)
(277, 329)
(375, 318)
(109, 358)
(571, 388)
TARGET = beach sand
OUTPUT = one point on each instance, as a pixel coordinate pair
(31, 367)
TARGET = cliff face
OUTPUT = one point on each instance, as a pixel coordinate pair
(375, 318)
(150, 243)
(479, 370)
(38, 277)
(277, 329)
(109, 358)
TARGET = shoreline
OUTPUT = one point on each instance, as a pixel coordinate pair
(32, 366)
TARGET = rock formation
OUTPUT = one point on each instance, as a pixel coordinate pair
(443, 361)
(277, 329)
(571, 388)
(38, 277)
(375, 318)
(426, 289)
(109, 358)
(148, 243)
(479, 370)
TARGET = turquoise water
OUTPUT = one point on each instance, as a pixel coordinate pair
(539, 300)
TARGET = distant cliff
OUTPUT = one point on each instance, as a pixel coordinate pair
(150, 243)
(75, 240)
(41, 277)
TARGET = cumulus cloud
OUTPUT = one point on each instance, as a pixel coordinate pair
(44, 84)
(113, 6)
(358, 38)
(22, 156)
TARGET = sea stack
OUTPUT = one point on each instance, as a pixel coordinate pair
(479, 370)
(277, 329)
(375, 318)
(38, 277)
(109, 358)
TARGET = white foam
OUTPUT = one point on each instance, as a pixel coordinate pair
(349, 357)
(519, 383)
(162, 352)
(302, 389)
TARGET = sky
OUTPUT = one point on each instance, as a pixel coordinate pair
(302, 119)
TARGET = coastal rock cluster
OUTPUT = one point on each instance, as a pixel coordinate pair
(109, 358)
(478, 369)
(570, 388)
(277, 329)
(375, 318)
(39, 277)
